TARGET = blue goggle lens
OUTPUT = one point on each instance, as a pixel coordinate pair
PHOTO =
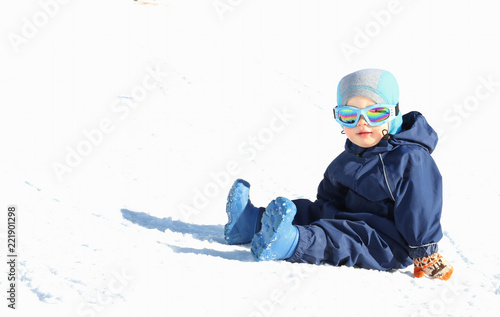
(348, 116)
(377, 115)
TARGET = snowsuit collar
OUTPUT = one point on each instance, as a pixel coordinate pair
(415, 130)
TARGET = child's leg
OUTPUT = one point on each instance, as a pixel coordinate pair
(309, 212)
(345, 242)
(244, 219)
(279, 236)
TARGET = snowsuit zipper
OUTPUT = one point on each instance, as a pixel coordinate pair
(385, 176)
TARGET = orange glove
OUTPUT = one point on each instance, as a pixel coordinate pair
(434, 266)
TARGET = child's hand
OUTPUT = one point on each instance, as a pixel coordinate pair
(434, 266)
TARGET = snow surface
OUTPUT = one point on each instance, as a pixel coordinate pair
(188, 96)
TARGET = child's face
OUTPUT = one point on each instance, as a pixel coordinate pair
(363, 134)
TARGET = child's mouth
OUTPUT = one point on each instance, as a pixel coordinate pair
(364, 134)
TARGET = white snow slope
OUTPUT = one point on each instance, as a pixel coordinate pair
(123, 126)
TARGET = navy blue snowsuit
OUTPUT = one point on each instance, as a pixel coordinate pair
(377, 207)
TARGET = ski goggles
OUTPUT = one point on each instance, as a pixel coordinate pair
(374, 115)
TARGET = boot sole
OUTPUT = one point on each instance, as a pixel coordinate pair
(275, 223)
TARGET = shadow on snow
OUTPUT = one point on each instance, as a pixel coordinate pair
(211, 233)
(243, 256)
(200, 232)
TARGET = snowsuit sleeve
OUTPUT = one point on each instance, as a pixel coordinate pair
(418, 203)
(331, 191)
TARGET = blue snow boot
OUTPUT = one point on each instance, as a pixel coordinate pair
(243, 217)
(278, 238)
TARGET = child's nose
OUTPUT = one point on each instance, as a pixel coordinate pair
(362, 121)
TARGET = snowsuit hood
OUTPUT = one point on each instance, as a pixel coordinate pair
(416, 130)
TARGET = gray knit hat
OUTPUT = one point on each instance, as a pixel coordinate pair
(377, 84)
